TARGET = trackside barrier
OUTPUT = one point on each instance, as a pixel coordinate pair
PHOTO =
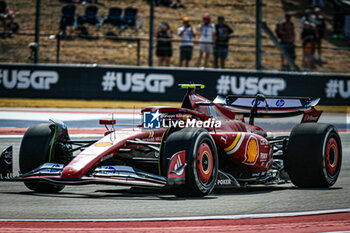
(160, 84)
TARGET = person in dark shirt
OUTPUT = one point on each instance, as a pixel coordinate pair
(308, 37)
(287, 36)
(177, 4)
(319, 21)
(223, 33)
(7, 18)
(164, 48)
(338, 19)
(170, 3)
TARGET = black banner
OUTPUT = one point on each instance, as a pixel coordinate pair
(160, 84)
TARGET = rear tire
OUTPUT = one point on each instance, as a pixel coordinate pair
(34, 151)
(201, 158)
(314, 155)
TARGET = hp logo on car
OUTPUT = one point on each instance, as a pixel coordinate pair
(280, 103)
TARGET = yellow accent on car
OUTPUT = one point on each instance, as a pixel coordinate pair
(336, 155)
(234, 142)
(102, 144)
(193, 86)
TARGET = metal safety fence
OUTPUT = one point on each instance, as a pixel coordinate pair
(124, 50)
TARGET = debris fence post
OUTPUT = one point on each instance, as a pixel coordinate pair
(37, 31)
(258, 34)
(58, 48)
(150, 51)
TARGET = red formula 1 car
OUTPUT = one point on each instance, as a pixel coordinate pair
(188, 150)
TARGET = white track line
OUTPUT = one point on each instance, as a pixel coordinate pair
(218, 217)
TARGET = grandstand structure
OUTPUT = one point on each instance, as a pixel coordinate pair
(130, 46)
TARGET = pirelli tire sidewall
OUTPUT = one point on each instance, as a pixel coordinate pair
(204, 138)
(190, 140)
(307, 160)
(34, 151)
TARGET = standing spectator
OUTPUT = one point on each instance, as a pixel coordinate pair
(223, 33)
(169, 3)
(206, 39)
(177, 4)
(308, 36)
(306, 17)
(83, 2)
(347, 26)
(319, 21)
(318, 2)
(287, 36)
(7, 18)
(163, 49)
(187, 33)
(338, 20)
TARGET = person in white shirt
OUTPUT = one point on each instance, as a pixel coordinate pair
(187, 33)
(206, 39)
(307, 17)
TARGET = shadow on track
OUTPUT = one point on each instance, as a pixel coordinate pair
(154, 194)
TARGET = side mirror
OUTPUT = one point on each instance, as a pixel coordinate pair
(253, 110)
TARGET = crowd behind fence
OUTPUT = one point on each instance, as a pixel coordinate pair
(108, 50)
(132, 48)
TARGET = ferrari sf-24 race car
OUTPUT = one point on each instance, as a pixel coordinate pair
(188, 150)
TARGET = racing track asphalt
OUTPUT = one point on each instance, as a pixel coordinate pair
(110, 202)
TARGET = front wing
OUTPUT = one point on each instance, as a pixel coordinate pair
(113, 175)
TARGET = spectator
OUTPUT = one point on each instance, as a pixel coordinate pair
(206, 39)
(319, 21)
(287, 36)
(318, 2)
(177, 4)
(83, 2)
(347, 26)
(308, 36)
(7, 17)
(170, 3)
(309, 17)
(163, 49)
(161, 2)
(223, 33)
(338, 20)
(187, 33)
(306, 17)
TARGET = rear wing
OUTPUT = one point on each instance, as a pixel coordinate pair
(271, 106)
(272, 102)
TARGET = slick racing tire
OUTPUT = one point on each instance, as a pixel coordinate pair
(34, 151)
(314, 155)
(202, 162)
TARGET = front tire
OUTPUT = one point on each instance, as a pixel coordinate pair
(34, 151)
(201, 158)
(314, 155)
